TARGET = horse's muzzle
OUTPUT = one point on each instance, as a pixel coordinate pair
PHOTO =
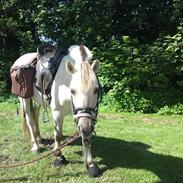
(85, 126)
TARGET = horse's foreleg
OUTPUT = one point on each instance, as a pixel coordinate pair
(58, 120)
(92, 168)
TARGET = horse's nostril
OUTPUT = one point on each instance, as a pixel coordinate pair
(86, 132)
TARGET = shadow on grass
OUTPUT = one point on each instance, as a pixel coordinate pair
(135, 155)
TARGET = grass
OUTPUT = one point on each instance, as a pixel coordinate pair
(129, 148)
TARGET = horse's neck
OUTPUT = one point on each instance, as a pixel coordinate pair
(60, 91)
(62, 76)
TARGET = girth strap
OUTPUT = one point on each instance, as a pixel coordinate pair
(45, 116)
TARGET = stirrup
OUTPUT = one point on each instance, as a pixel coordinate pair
(45, 116)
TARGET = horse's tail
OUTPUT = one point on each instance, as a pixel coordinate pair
(23, 118)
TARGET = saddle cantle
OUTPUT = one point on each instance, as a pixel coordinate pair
(47, 67)
(24, 60)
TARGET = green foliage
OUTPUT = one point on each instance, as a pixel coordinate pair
(138, 77)
(137, 42)
(169, 110)
(2, 86)
(9, 99)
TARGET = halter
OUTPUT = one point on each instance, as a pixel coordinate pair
(90, 113)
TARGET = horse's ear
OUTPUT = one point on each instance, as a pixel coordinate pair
(70, 67)
(95, 66)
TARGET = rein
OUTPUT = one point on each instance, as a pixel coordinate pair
(67, 142)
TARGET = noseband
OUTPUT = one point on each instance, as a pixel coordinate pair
(84, 112)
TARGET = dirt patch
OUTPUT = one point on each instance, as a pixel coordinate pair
(161, 121)
(2, 114)
(4, 143)
(3, 158)
(148, 120)
(110, 117)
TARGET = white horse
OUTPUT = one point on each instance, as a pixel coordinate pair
(75, 89)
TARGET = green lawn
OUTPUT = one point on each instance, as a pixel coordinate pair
(130, 148)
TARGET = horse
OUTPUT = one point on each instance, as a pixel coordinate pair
(75, 89)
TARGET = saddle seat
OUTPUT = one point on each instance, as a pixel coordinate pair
(25, 59)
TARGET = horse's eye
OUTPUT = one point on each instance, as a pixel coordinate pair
(73, 91)
(96, 90)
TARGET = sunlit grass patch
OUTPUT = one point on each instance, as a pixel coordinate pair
(128, 147)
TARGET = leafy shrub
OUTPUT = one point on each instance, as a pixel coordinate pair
(175, 109)
(2, 87)
(9, 99)
(142, 78)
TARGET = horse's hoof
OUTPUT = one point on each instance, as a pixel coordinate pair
(94, 170)
(35, 147)
(35, 151)
(60, 161)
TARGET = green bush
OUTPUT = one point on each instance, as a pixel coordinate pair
(9, 99)
(169, 110)
(142, 78)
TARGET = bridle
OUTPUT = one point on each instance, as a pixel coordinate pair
(90, 113)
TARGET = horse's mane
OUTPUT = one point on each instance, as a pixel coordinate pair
(87, 75)
(82, 55)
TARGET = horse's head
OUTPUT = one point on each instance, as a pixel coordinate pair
(85, 91)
